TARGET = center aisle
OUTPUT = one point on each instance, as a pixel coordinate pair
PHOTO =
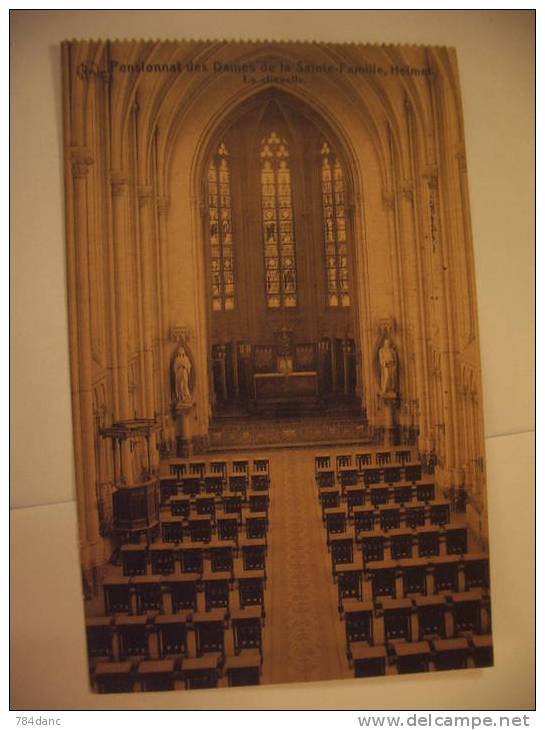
(303, 638)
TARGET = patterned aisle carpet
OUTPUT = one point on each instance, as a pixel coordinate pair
(303, 637)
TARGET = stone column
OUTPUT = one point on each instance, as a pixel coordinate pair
(91, 543)
(119, 187)
(162, 203)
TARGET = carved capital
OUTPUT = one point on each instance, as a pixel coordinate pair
(407, 190)
(145, 195)
(388, 200)
(163, 204)
(461, 157)
(81, 162)
(180, 333)
(119, 184)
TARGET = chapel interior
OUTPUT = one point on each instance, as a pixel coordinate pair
(278, 435)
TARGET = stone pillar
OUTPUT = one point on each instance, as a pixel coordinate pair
(184, 444)
(162, 203)
(119, 226)
(92, 548)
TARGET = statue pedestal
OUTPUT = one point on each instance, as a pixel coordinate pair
(390, 402)
(184, 443)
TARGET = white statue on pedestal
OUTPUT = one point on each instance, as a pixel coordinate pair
(387, 357)
(182, 372)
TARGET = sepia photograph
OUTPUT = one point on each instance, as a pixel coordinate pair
(274, 363)
(271, 365)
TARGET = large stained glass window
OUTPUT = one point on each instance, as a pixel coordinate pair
(278, 231)
(220, 232)
(333, 206)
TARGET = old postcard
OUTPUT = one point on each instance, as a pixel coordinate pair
(275, 363)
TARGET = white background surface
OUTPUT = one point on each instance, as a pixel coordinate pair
(495, 56)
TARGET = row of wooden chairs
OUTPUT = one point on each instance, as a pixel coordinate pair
(204, 672)
(361, 459)
(365, 495)
(351, 476)
(422, 656)
(188, 634)
(403, 578)
(167, 558)
(387, 516)
(212, 467)
(405, 543)
(213, 484)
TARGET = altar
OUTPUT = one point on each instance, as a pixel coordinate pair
(284, 387)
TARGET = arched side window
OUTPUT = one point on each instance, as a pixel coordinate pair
(333, 207)
(220, 232)
(278, 231)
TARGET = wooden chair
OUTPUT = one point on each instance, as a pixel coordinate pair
(156, 675)
(415, 515)
(243, 670)
(402, 457)
(114, 677)
(168, 487)
(209, 632)
(466, 609)
(372, 545)
(445, 570)
(483, 651)
(133, 635)
(256, 525)
(200, 528)
(450, 653)
(162, 558)
(342, 549)
(227, 525)
(335, 521)
(397, 618)
(253, 553)
(427, 541)
(363, 460)
(148, 593)
(183, 591)
(383, 578)
(99, 632)
(221, 553)
(380, 495)
(413, 472)
(391, 474)
(372, 476)
(246, 624)
(260, 482)
(401, 543)
(330, 498)
(117, 595)
(258, 502)
(425, 492)
(201, 672)
(190, 485)
(431, 617)
(413, 574)
(358, 618)
(134, 559)
(439, 512)
(172, 530)
(389, 517)
(456, 540)
(383, 457)
(251, 588)
(369, 661)
(213, 484)
(172, 635)
(180, 506)
(216, 590)
(364, 519)
(413, 656)
(476, 570)
(349, 582)
(403, 494)
(355, 497)
(191, 557)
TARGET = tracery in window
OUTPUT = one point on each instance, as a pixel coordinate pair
(278, 231)
(336, 252)
(220, 232)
